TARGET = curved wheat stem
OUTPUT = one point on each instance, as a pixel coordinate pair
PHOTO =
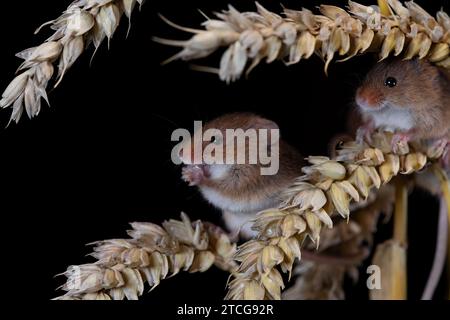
(328, 187)
(252, 37)
(84, 22)
(152, 254)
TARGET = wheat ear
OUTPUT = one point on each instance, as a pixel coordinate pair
(152, 254)
(342, 250)
(84, 22)
(328, 187)
(251, 37)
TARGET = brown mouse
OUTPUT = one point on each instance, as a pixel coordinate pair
(240, 190)
(410, 98)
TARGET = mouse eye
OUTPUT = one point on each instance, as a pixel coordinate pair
(390, 82)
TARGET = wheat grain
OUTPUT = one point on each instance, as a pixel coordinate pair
(342, 250)
(323, 191)
(251, 37)
(84, 22)
(152, 253)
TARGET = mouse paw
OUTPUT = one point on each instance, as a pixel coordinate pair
(399, 142)
(364, 133)
(192, 175)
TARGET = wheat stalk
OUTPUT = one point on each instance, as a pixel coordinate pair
(251, 37)
(328, 187)
(152, 254)
(391, 255)
(84, 22)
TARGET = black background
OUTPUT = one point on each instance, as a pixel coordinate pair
(100, 156)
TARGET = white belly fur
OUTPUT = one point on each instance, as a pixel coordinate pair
(228, 204)
(392, 119)
(238, 214)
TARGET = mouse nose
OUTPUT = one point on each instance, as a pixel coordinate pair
(368, 98)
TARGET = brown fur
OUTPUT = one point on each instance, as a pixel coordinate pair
(421, 86)
(245, 181)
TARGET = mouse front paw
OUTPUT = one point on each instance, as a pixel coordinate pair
(365, 132)
(193, 175)
(399, 142)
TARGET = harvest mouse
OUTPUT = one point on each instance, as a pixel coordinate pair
(410, 98)
(240, 190)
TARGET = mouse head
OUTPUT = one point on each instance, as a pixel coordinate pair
(231, 138)
(399, 84)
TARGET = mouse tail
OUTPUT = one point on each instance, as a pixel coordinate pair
(440, 253)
